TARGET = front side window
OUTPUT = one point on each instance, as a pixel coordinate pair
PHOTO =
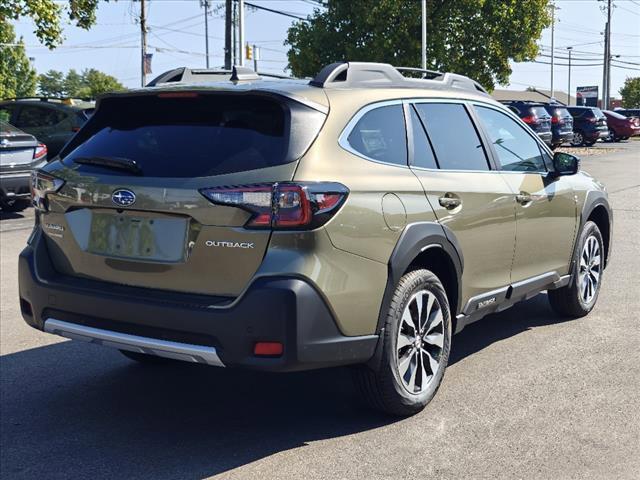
(516, 149)
(454, 138)
(380, 135)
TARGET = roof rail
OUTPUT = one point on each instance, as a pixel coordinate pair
(185, 74)
(368, 74)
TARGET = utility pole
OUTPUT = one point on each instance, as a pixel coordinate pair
(143, 45)
(227, 35)
(424, 34)
(553, 27)
(569, 82)
(605, 65)
(256, 57)
(205, 4)
(241, 29)
(607, 60)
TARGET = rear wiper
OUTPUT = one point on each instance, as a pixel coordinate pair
(117, 163)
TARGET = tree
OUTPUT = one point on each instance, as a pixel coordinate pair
(51, 84)
(477, 38)
(48, 15)
(17, 76)
(88, 84)
(630, 92)
(95, 82)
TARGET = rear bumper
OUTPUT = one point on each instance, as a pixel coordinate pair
(546, 137)
(15, 185)
(199, 329)
(596, 134)
(562, 137)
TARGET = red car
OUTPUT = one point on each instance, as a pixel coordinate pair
(621, 127)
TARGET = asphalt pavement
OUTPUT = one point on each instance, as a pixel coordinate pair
(527, 394)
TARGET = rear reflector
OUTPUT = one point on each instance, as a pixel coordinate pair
(268, 349)
(287, 205)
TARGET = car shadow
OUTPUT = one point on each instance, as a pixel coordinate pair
(73, 410)
(10, 215)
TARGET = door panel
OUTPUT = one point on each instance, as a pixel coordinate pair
(469, 198)
(545, 224)
(545, 206)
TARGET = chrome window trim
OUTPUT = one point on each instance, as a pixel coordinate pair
(343, 139)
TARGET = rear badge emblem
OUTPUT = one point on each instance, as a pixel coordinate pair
(123, 197)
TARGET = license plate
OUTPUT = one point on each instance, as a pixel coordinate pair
(22, 156)
(138, 237)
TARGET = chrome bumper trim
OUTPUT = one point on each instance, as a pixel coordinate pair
(133, 343)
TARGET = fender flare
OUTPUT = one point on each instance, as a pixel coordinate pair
(415, 239)
(594, 199)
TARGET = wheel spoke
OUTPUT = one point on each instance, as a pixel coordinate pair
(424, 379)
(404, 341)
(433, 363)
(414, 370)
(435, 338)
(404, 363)
(408, 321)
(419, 299)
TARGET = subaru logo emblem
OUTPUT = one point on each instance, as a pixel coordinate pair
(123, 197)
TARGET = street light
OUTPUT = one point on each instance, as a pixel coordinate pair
(569, 84)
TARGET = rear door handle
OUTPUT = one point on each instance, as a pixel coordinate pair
(449, 202)
(523, 198)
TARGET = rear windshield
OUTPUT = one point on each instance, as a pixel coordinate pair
(598, 113)
(561, 112)
(196, 136)
(539, 112)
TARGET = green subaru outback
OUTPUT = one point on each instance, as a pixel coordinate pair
(358, 219)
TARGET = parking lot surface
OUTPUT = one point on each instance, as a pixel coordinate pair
(527, 394)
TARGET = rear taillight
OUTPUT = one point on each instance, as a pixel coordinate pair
(301, 205)
(592, 119)
(555, 119)
(40, 151)
(42, 184)
(530, 119)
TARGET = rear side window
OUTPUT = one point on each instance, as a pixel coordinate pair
(198, 135)
(454, 138)
(30, 117)
(516, 149)
(380, 135)
(540, 112)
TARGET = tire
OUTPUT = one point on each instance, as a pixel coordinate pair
(574, 300)
(146, 359)
(398, 384)
(578, 139)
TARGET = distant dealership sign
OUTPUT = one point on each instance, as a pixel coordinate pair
(587, 96)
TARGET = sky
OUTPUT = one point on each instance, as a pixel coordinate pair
(176, 38)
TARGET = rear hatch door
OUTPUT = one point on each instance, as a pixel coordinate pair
(150, 226)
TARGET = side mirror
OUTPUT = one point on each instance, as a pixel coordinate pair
(565, 164)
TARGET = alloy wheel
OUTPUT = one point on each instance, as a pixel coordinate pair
(577, 138)
(420, 341)
(590, 269)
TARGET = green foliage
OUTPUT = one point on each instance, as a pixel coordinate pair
(88, 84)
(17, 77)
(630, 92)
(48, 15)
(477, 38)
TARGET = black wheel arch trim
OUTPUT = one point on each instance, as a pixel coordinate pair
(593, 200)
(415, 239)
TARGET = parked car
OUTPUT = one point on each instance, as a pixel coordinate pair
(357, 219)
(589, 125)
(620, 126)
(628, 112)
(535, 116)
(52, 121)
(561, 124)
(19, 154)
